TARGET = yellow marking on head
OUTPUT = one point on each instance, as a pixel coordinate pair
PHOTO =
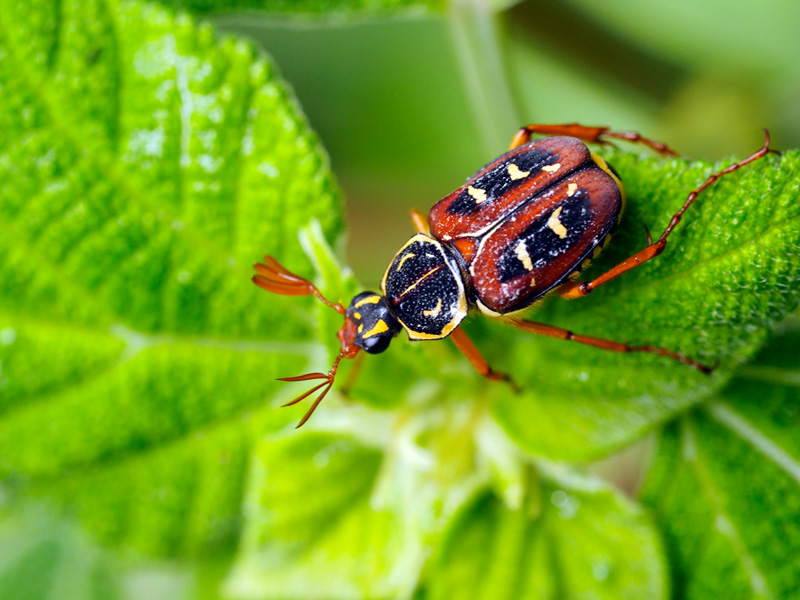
(554, 224)
(477, 193)
(368, 300)
(571, 189)
(525, 258)
(357, 315)
(404, 259)
(420, 280)
(380, 327)
(552, 168)
(435, 312)
(360, 328)
(515, 173)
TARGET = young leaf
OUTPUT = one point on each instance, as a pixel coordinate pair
(358, 516)
(726, 484)
(573, 538)
(144, 166)
(316, 527)
(731, 271)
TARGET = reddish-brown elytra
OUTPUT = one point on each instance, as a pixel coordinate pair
(521, 227)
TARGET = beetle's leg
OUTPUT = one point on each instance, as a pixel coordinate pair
(420, 222)
(468, 349)
(274, 277)
(593, 135)
(577, 289)
(351, 378)
(566, 334)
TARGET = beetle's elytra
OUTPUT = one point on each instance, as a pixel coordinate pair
(523, 226)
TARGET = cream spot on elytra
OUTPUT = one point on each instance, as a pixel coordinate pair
(525, 258)
(515, 173)
(477, 193)
(556, 225)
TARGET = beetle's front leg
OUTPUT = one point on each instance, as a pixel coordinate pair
(592, 135)
(468, 349)
(420, 222)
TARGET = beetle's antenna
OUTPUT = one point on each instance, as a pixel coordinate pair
(325, 386)
(274, 277)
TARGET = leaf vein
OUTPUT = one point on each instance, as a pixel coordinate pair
(722, 524)
(110, 170)
(736, 423)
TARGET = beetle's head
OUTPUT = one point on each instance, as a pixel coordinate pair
(369, 324)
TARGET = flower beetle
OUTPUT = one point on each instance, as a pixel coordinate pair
(523, 226)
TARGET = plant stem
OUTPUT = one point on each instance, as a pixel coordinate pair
(475, 30)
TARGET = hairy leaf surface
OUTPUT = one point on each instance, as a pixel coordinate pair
(144, 166)
(730, 272)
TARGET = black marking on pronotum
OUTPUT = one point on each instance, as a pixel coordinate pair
(423, 287)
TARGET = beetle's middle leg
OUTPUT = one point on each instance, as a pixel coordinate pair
(576, 289)
(592, 135)
(468, 349)
(566, 334)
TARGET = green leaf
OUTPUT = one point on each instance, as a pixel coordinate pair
(726, 484)
(730, 272)
(327, 9)
(572, 538)
(375, 511)
(354, 511)
(144, 166)
(318, 526)
(43, 558)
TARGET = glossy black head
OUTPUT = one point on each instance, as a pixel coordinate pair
(375, 325)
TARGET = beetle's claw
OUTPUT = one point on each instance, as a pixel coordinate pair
(649, 237)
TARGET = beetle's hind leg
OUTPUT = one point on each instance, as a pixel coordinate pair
(566, 334)
(576, 289)
(592, 135)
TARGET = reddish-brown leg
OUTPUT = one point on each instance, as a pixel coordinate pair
(565, 334)
(576, 289)
(468, 349)
(593, 135)
(358, 362)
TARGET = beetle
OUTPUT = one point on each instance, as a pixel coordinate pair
(522, 227)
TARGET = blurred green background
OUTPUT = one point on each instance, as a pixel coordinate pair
(408, 108)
